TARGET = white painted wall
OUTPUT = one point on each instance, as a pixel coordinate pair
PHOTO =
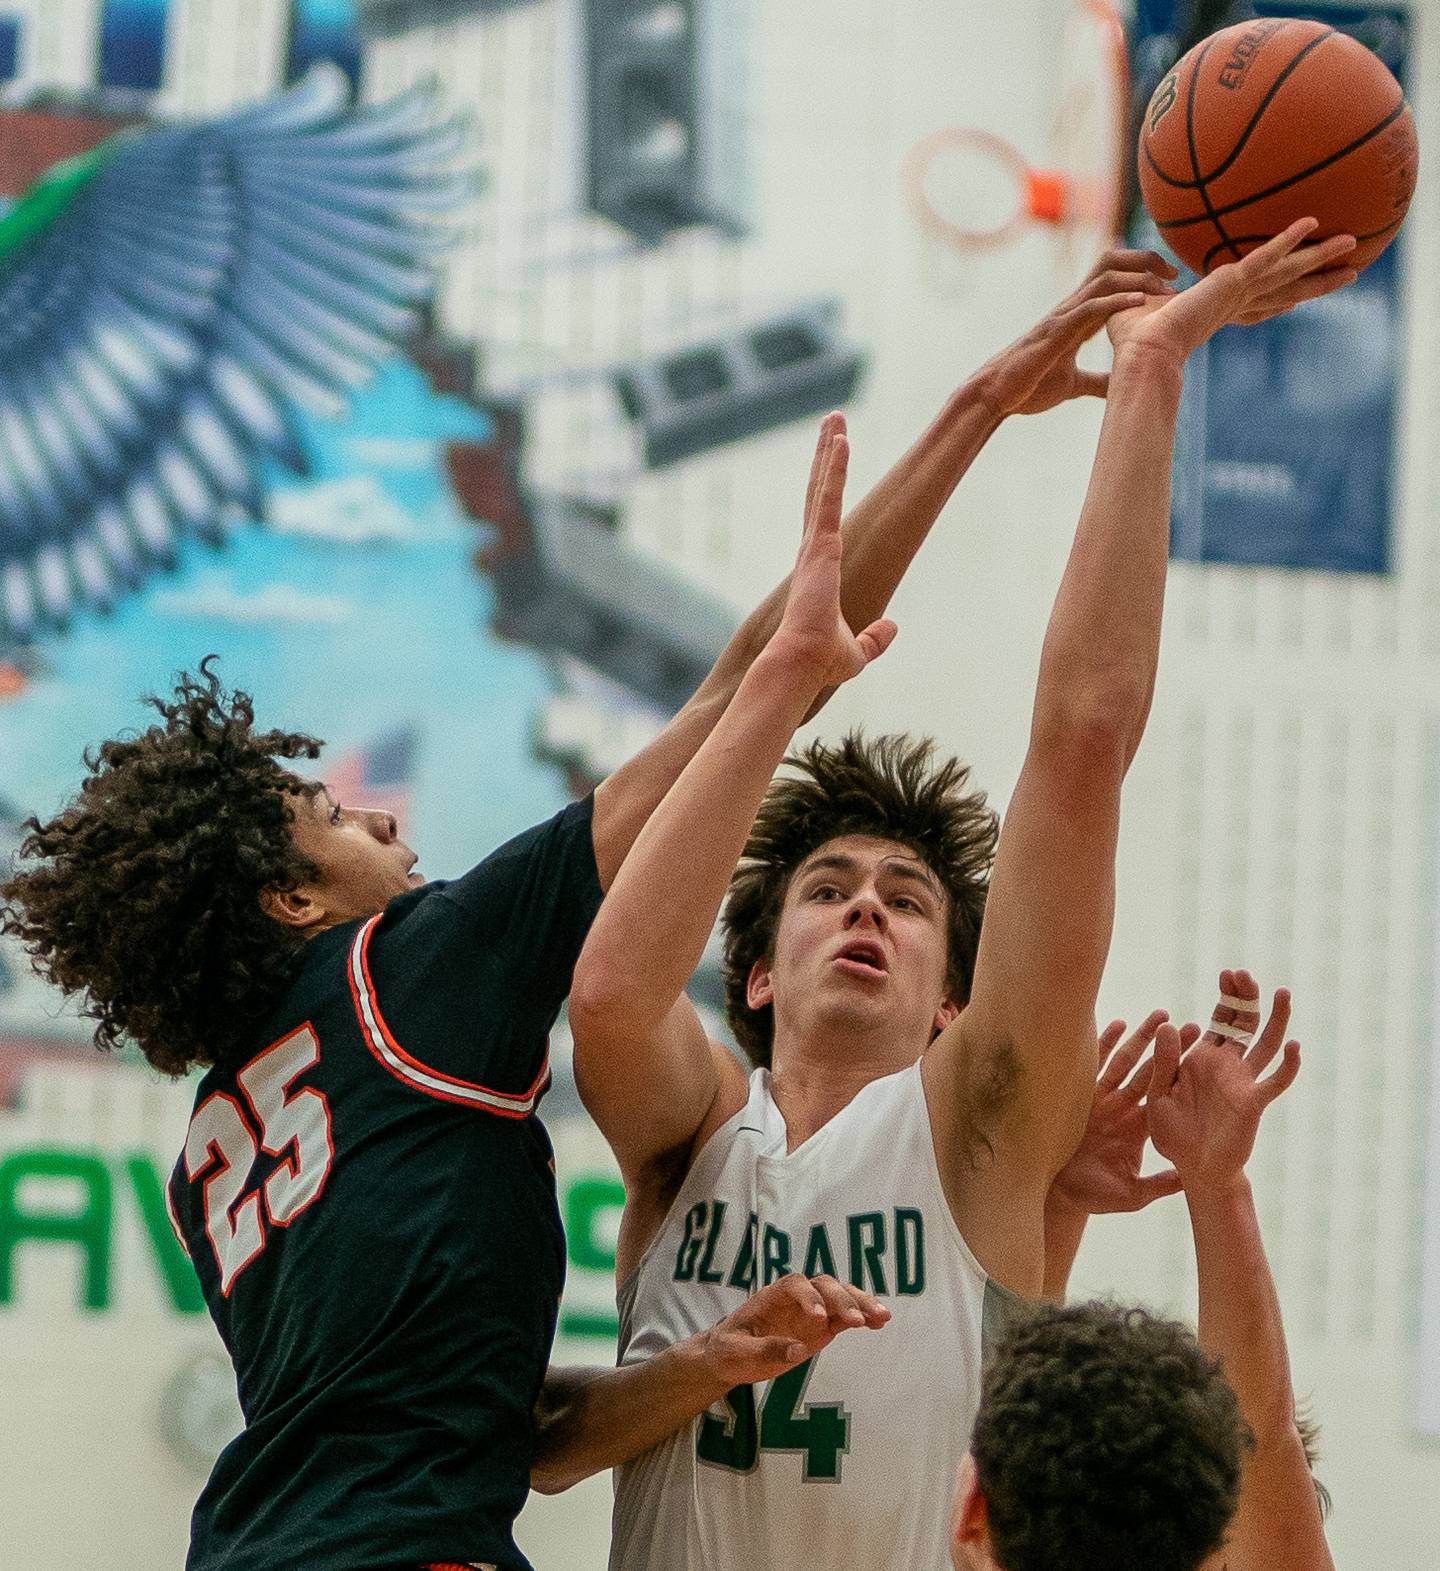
(1281, 814)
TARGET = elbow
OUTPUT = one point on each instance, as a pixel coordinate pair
(597, 1002)
(549, 1480)
(1096, 734)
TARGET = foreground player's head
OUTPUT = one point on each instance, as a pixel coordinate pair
(857, 904)
(174, 893)
(1106, 1441)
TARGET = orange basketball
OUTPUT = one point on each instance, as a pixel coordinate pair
(1269, 121)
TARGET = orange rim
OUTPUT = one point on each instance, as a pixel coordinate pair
(918, 162)
(1041, 195)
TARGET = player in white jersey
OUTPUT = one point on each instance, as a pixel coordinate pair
(911, 1120)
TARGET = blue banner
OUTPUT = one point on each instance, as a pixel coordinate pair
(9, 47)
(132, 43)
(1287, 434)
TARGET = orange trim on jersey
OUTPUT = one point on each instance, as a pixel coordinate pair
(404, 1066)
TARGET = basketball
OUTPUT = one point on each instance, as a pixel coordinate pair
(1269, 121)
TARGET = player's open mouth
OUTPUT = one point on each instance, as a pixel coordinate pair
(862, 958)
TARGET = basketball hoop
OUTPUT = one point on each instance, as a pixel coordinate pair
(1084, 187)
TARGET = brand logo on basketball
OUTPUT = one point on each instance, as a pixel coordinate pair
(1247, 46)
(1164, 99)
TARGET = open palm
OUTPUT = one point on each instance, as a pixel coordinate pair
(813, 628)
(1205, 1106)
(1104, 1173)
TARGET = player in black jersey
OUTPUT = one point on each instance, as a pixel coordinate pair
(365, 1191)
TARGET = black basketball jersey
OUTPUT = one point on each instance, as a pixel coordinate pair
(370, 1205)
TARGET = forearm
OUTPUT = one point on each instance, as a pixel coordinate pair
(591, 1419)
(1064, 1228)
(652, 929)
(1278, 1521)
(1103, 641)
(1240, 1320)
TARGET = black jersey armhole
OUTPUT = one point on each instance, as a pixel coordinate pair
(408, 1069)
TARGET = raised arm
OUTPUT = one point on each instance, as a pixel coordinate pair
(590, 1419)
(1024, 1049)
(1204, 1113)
(886, 529)
(650, 1094)
(642, 1063)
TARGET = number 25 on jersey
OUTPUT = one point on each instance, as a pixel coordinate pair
(226, 1137)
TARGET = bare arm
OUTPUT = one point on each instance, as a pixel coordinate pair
(885, 530)
(650, 1092)
(591, 1419)
(1278, 1521)
(1046, 935)
(632, 1026)
(1205, 1111)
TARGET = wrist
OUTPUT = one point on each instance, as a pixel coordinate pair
(1152, 358)
(1209, 1191)
(983, 394)
(791, 665)
(696, 1367)
(1061, 1207)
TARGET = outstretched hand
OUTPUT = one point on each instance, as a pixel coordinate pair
(1038, 371)
(813, 630)
(784, 1324)
(1205, 1107)
(1271, 280)
(1104, 1173)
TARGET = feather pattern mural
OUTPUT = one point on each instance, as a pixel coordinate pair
(166, 298)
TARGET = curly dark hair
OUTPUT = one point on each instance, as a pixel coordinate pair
(890, 788)
(146, 899)
(1106, 1441)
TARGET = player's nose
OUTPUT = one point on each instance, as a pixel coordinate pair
(382, 825)
(865, 909)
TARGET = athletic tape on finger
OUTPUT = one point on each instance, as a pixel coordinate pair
(1231, 1033)
(1250, 1006)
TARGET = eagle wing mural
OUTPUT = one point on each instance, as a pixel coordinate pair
(166, 297)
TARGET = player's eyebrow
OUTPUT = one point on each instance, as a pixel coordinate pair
(898, 867)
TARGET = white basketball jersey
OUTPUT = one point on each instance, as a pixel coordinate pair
(851, 1458)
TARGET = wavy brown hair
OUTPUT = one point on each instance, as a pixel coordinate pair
(890, 788)
(145, 898)
(1106, 1441)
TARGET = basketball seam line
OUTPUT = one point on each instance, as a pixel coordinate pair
(1195, 154)
(1211, 212)
(1245, 135)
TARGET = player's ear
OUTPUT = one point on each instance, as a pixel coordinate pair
(948, 1011)
(290, 907)
(969, 1520)
(759, 990)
